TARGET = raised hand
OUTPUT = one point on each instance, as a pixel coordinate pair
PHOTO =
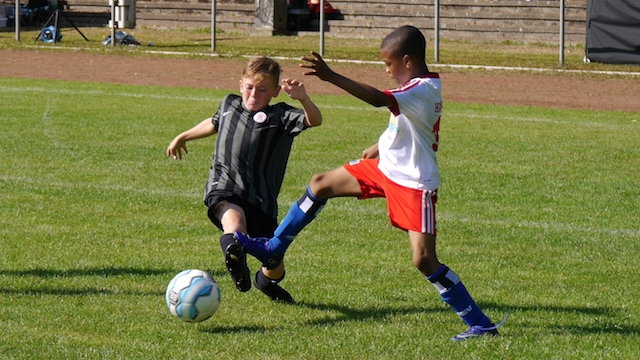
(294, 88)
(317, 66)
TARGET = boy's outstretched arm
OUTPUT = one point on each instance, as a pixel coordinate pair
(296, 90)
(364, 92)
(371, 152)
(179, 143)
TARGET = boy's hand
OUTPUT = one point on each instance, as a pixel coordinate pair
(360, 90)
(175, 148)
(371, 152)
(317, 65)
(294, 88)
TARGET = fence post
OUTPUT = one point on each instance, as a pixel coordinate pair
(113, 23)
(562, 33)
(16, 20)
(213, 25)
(322, 27)
(436, 32)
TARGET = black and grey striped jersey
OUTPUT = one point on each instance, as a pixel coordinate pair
(252, 150)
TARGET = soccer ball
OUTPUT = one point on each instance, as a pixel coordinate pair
(193, 296)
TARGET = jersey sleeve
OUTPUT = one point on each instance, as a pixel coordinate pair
(292, 119)
(215, 119)
(408, 100)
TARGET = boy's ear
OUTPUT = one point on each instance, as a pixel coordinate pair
(406, 59)
(277, 91)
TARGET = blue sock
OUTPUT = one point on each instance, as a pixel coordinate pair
(301, 213)
(454, 293)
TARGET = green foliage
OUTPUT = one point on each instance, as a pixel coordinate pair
(538, 214)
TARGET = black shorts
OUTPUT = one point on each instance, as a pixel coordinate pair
(259, 224)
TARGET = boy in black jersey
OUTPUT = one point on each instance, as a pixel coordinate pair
(247, 169)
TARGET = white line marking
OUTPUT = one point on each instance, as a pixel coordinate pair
(104, 93)
(40, 183)
(553, 226)
(371, 62)
(633, 123)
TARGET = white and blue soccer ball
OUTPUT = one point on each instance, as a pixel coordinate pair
(193, 296)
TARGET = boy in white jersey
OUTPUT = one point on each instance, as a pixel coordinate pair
(401, 167)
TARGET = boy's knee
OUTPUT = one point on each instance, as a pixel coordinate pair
(316, 181)
(316, 185)
(426, 263)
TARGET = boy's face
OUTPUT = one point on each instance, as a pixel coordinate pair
(256, 94)
(398, 67)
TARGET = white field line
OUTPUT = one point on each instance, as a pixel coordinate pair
(47, 124)
(453, 66)
(632, 124)
(12, 89)
(550, 226)
(41, 183)
(85, 92)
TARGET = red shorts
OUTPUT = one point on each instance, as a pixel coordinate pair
(409, 209)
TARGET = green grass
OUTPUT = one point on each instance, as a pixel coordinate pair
(196, 42)
(538, 214)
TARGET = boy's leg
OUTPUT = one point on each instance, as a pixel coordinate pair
(334, 183)
(236, 262)
(454, 293)
(271, 288)
(301, 213)
(270, 251)
(451, 289)
(230, 217)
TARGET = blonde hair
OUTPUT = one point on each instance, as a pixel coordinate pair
(261, 68)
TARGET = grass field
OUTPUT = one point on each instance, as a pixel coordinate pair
(538, 214)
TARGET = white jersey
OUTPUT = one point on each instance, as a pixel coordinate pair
(407, 149)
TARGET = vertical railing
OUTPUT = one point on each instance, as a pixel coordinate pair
(213, 25)
(436, 32)
(322, 15)
(562, 31)
(16, 17)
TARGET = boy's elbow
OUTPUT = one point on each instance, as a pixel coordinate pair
(315, 122)
(380, 99)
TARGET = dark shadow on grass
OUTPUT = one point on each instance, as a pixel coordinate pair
(100, 272)
(603, 328)
(584, 310)
(360, 314)
(229, 329)
(346, 313)
(70, 292)
(611, 320)
(44, 288)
